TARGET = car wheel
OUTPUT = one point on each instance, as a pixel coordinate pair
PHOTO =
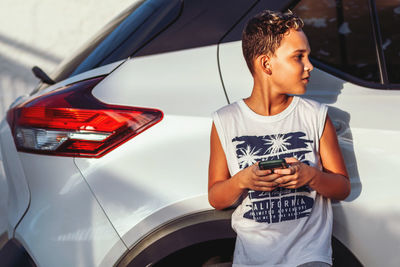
(210, 253)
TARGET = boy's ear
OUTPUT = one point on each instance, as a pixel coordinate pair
(263, 61)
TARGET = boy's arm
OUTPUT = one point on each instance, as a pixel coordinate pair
(333, 181)
(224, 190)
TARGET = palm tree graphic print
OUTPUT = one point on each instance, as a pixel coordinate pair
(281, 204)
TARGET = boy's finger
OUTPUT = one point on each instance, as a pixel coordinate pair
(286, 171)
(263, 172)
(269, 178)
(284, 179)
(291, 160)
(290, 185)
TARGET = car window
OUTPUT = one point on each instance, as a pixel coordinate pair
(340, 36)
(139, 23)
(147, 20)
(389, 20)
(202, 23)
(236, 33)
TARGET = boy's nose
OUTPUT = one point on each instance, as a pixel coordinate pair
(308, 66)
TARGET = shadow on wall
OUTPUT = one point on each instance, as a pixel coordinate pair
(29, 49)
(16, 78)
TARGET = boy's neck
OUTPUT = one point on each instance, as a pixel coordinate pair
(266, 102)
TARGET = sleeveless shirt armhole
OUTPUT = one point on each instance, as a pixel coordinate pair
(220, 130)
(323, 113)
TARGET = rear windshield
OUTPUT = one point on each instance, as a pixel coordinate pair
(139, 23)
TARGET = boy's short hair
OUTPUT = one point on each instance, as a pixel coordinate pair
(264, 32)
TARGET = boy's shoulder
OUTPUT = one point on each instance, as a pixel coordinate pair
(228, 109)
(310, 102)
(237, 108)
(312, 109)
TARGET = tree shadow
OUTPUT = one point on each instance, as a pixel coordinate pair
(15, 78)
(29, 49)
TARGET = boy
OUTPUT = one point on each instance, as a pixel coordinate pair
(285, 216)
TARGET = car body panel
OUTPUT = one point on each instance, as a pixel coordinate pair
(369, 140)
(103, 70)
(84, 234)
(18, 190)
(136, 180)
(157, 81)
(140, 178)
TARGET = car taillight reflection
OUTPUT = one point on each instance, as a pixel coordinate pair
(70, 121)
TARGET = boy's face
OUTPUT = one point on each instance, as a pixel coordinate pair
(290, 66)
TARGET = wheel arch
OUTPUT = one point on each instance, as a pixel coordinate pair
(197, 228)
(178, 234)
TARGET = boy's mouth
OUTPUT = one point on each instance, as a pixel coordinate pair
(306, 79)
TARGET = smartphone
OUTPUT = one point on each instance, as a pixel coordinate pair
(272, 164)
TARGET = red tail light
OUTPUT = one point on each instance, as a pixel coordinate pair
(70, 121)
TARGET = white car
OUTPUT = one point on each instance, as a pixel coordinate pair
(108, 165)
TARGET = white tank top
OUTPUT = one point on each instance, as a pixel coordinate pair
(283, 227)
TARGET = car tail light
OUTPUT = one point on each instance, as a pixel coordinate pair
(70, 121)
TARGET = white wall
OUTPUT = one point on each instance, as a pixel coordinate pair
(42, 33)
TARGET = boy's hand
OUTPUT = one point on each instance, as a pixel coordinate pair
(297, 175)
(259, 180)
